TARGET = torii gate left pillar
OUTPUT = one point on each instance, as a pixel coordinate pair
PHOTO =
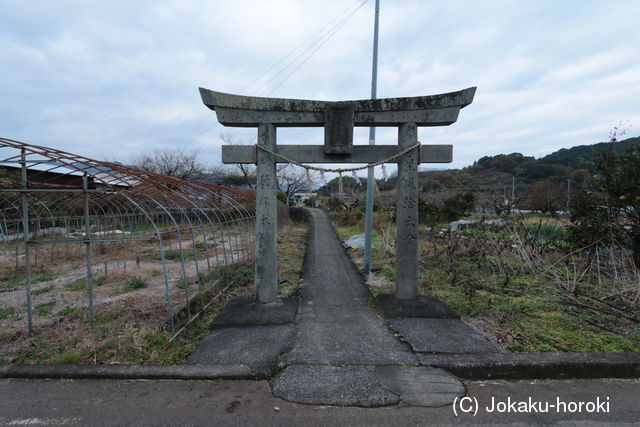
(338, 118)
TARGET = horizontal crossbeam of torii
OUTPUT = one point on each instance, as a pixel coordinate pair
(338, 119)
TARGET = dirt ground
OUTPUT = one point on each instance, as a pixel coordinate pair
(114, 264)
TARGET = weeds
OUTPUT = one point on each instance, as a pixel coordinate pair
(526, 288)
(44, 309)
(130, 285)
(42, 290)
(134, 328)
(81, 284)
(9, 313)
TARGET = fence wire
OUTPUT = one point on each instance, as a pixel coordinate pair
(60, 207)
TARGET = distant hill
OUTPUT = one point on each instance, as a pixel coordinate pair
(560, 164)
(557, 166)
(492, 178)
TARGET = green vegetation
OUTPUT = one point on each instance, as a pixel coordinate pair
(186, 283)
(9, 313)
(44, 309)
(452, 208)
(130, 285)
(124, 337)
(15, 282)
(607, 213)
(42, 290)
(70, 311)
(291, 257)
(138, 334)
(81, 284)
(524, 286)
(70, 358)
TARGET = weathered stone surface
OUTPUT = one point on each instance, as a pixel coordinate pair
(256, 346)
(420, 386)
(338, 129)
(407, 216)
(266, 218)
(213, 100)
(434, 110)
(425, 306)
(248, 312)
(332, 385)
(441, 336)
(316, 154)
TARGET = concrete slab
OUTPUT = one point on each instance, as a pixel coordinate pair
(332, 385)
(427, 387)
(367, 386)
(248, 312)
(257, 347)
(441, 336)
(353, 342)
(423, 306)
(335, 324)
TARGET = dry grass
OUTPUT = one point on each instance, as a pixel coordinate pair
(131, 327)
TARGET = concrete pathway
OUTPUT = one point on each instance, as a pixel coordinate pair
(335, 324)
(331, 345)
(343, 353)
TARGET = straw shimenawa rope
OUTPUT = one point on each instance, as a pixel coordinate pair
(339, 171)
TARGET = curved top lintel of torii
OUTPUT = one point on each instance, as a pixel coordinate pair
(251, 111)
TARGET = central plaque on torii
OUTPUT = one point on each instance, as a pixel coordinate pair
(338, 119)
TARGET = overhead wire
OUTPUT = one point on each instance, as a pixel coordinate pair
(325, 35)
(340, 25)
(291, 52)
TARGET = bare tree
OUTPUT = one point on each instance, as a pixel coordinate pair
(247, 171)
(175, 162)
(293, 179)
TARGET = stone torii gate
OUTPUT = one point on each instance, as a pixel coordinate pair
(338, 119)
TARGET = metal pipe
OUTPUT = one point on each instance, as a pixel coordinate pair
(25, 235)
(88, 253)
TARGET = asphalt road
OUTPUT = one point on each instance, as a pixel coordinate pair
(224, 402)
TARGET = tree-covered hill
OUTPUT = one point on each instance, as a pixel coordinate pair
(558, 165)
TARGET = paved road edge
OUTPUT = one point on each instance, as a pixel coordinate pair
(120, 372)
(536, 365)
(468, 366)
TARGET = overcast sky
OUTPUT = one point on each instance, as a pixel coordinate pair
(112, 79)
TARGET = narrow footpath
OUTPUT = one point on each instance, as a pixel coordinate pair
(343, 353)
(335, 324)
(329, 346)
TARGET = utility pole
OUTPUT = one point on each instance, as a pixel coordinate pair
(368, 223)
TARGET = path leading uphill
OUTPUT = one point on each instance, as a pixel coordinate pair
(332, 347)
(343, 352)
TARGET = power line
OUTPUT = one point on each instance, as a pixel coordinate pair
(335, 30)
(291, 52)
(316, 45)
